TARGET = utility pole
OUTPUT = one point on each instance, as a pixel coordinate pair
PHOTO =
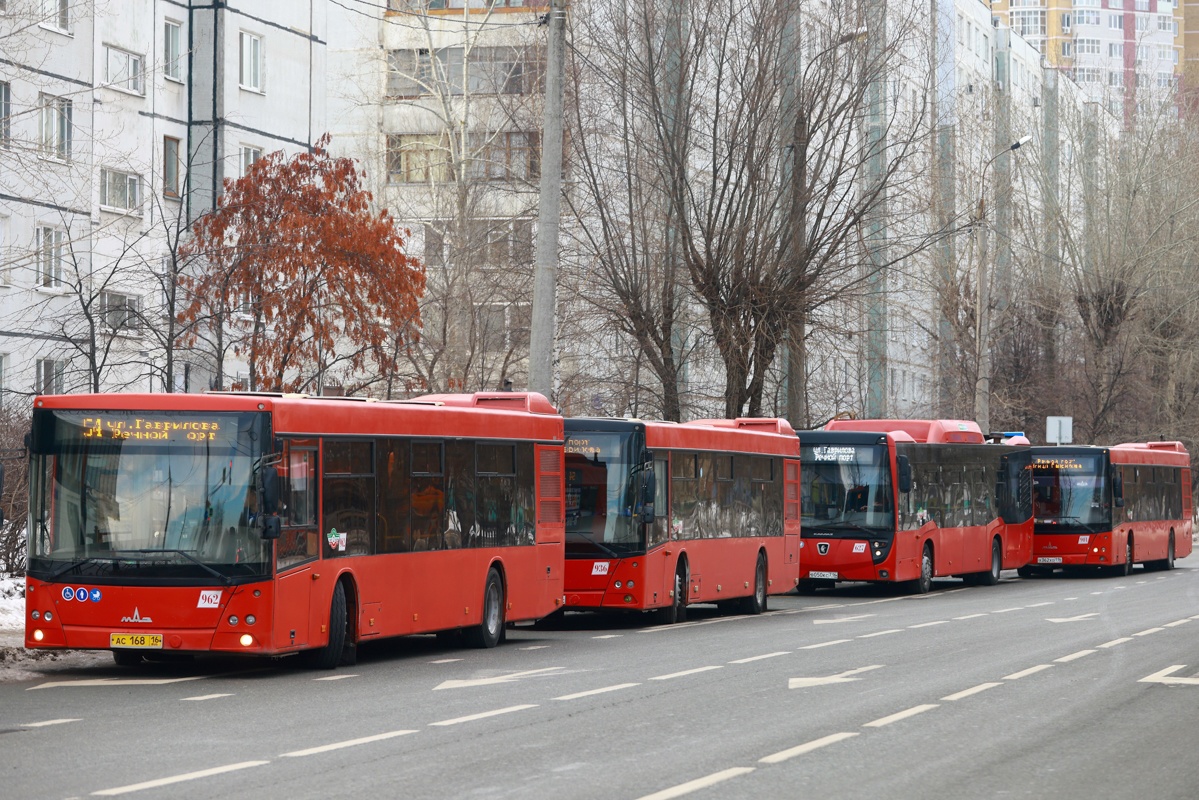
(876, 219)
(545, 276)
(943, 115)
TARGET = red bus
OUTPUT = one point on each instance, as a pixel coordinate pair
(1111, 507)
(274, 524)
(661, 515)
(911, 500)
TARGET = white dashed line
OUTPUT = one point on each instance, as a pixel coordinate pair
(824, 644)
(49, 722)
(971, 616)
(590, 692)
(1015, 676)
(698, 783)
(880, 633)
(1115, 642)
(484, 715)
(1006, 610)
(445, 661)
(607, 636)
(911, 712)
(808, 747)
(1149, 631)
(536, 647)
(325, 748)
(1177, 623)
(1073, 656)
(982, 687)
(1038, 605)
(208, 696)
(335, 677)
(189, 776)
(684, 672)
(759, 658)
(929, 624)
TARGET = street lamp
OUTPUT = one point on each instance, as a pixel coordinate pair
(982, 385)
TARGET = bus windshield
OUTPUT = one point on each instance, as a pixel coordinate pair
(845, 487)
(158, 495)
(601, 493)
(1070, 491)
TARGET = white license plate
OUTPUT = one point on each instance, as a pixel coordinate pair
(831, 576)
(1049, 560)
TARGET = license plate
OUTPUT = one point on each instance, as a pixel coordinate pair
(1049, 560)
(832, 576)
(136, 641)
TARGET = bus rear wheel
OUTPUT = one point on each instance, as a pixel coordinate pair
(991, 577)
(1166, 563)
(330, 655)
(491, 629)
(756, 602)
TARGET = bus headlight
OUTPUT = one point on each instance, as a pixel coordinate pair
(617, 584)
(49, 616)
(629, 584)
(250, 619)
(232, 619)
(36, 615)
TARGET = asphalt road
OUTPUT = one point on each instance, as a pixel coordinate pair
(1060, 687)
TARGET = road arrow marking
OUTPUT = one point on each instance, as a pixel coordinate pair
(841, 677)
(841, 619)
(1079, 618)
(1163, 677)
(499, 679)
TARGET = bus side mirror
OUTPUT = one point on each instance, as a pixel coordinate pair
(1118, 487)
(903, 468)
(270, 490)
(271, 527)
(649, 490)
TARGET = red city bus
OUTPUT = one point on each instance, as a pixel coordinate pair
(1111, 507)
(910, 500)
(662, 515)
(268, 524)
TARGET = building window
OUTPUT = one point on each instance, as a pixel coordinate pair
(249, 155)
(171, 63)
(1088, 75)
(1115, 50)
(503, 327)
(1143, 21)
(1115, 22)
(417, 158)
(170, 166)
(512, 155)
(1067, 49)
(49, 243)
(1086, 18)
(1066, 20)
(50, 376)
(120, 189)
(123, 70)
(1086, 47)
(1115, 78)
(490, 70)
(1165, 80)
(1028, 23)
(55, 119)
(5, 112)
(57, 14)
(250, 62)
(1165, 23)
(120, 311)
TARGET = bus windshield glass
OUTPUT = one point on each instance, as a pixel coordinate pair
(1070, 491)
(845, 487)
(601, 478)
(147, 495)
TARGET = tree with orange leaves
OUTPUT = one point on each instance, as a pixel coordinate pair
(301, 277)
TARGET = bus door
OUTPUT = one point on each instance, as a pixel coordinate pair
(298, 545)
(791, 491)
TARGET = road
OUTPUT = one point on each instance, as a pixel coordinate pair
(1059, 687)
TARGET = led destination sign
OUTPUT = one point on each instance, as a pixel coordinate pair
(82, 427)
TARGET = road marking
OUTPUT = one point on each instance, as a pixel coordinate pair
(1015, 676)
(880, 633)
(335, 677)
(445, 661)
(982, 687)
(759, 658)
(1115, 642)
(1038, 605)
(1177, 623)
(929, 624)
(684, 672)
(1161, 677)
(971, 616)
(841, 677)
(1069, 598)
(911, 712)
(1006, 610)
(698, 783)
(1073, 656)
(608, 636)
(535, 647)
(509, 678)
(208, 696)
(590, 692)
(824, 644)
(841, 619)
(1149, 631)
(325, 748)
(49, 722)
(484, 715)
(1096, 593)
(1079, 618)
(1197, 615)
(117, 682)
(815, 744)
(189, 776)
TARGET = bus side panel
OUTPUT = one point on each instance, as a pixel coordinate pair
(293, 592)
(1185, 531)
(1018, 543)
(907, 550)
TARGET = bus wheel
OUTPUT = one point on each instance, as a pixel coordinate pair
(1125, 569)
(756, 602)
(1168, 561)
(1026, 572)
(329, 656)
(491, 628)
(991, 577)
(676, 611)
(126, 658)
(924, 584)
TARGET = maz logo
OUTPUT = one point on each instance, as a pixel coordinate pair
(822, 548)
(136, 617)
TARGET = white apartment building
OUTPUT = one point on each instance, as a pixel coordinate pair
(119, 120)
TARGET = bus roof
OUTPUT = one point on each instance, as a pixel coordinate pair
(1172, 454)
(925, 431)
(767, 436)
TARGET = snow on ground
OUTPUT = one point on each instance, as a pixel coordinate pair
(19, 664)
(12, 603)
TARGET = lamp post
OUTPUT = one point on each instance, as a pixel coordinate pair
(982, 336)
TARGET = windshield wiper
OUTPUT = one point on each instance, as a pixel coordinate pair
(845, 524)
(598, 545)
(225, 579)
(1078, 521)
(72, 565)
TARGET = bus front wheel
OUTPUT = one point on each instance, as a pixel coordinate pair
(491, 629)
(677, 610)
(924, 584)
(330, 655)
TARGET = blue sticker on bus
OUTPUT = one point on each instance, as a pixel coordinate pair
(81, 594)
(95, 596)
(68, 593)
